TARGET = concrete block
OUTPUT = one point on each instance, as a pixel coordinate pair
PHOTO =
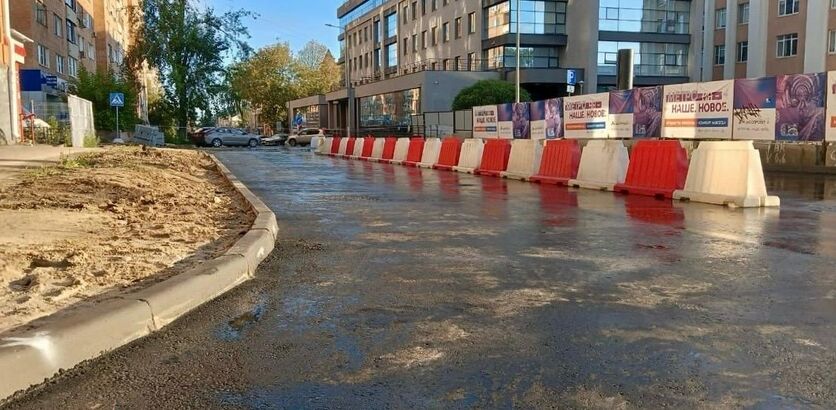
(254, 246)
(267, 220)
(830, 159)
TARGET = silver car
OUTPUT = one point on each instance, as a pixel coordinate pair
(231, 137)
(304, 136)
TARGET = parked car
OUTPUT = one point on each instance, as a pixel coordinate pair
(275, 139)
(304, 136)
(197, 136)
(231, 137)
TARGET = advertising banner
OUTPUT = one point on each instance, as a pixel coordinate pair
(800, 107)
(485, 121)
(505, 116)
(620, 124)
(698, 110)
(647, 112)
(831, 106)
(586, 116)
(522, 121)
(754, 109)
(547, 119)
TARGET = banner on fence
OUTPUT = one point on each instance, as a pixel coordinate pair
(620, 124)
(831, 106)
(586, 116)
(485, 121)
(547, 119)
(800, 107)
(754, 109)
(505, 116)
(698, 110)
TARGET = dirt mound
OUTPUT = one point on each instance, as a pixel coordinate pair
(107, 222)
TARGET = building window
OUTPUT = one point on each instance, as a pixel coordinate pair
(435, 35)
(71, 32)
(43, 56)
(457, 63)
(446, 2)
(670, 16)
(458, 27)
(59, 64)
(405, 13)
(530, 57)
(833, 4)
(471, 61)
(435, 5)
(377, 59)
(649, 59)
(424, 39)
(831, 41)
(471, 23)
(719, 55)
(391, 25)
(390, 110)
(57, 25)
(742, 51)
(378, 35)
(720, 18)
(536, 17)
(40, 13)
(743, 13)
(787, 45)
(447, 66)
(445, 32)
(423, 7)
(787, 7)
(366, 33)
(392, 55)
(72, 64)
(70, 4)
(414, 10)
(414, 43)
(405, 46)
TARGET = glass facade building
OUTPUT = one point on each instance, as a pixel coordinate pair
(536, 17)
(390, 109)
(530, 57)
(644, 16)
(650, 59)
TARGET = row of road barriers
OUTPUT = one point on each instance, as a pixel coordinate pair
(726, 173)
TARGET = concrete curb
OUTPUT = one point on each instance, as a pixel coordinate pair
(31, 354)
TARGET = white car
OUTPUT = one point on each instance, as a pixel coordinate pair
(304, 136)
(219, 137)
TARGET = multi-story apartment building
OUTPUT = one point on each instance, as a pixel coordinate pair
(406, 56)
(755, 38)
(113, 35)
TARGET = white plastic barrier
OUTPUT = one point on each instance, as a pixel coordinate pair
(343, 146)
(524, 160)
(604, 163)
(377, 148)
(325, 147)
(315, 141)
(470, 156)
(727, 173)
(358, 148)
(401, 151)
(429, 157)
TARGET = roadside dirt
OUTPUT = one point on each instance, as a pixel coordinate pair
(109, 222)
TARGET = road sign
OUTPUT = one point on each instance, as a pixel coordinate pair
(570, 89)
(117, 100)
(571, 77)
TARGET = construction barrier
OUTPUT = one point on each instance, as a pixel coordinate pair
(494, 157)
(657, 168)
(726, 173)
(349, 147)
(359, 145)
(335, 146)
(377, 149)
(315, 141)
(368, 146)
(416, 149)
(524, 160)
(325, 147)
(471, 155)
(603, 164)
(448, 157)
(388, 149)
(401, 151)
(432, 147)
(344, 147)
(560, 162)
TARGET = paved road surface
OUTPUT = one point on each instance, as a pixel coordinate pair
(407, 288)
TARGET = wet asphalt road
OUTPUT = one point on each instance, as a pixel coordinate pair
(406, 288)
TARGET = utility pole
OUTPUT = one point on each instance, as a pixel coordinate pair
(518, 52)
(350, 108)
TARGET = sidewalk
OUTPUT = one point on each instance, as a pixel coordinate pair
(16, 158)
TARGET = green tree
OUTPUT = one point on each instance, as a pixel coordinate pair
(96, 88)
(188, 45)
(488, 92)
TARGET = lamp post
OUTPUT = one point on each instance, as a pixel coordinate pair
(350, 108)
(518, 52)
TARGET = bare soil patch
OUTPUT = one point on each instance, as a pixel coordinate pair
(112, 221)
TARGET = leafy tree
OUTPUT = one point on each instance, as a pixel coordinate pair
(96, 87)
(488, 92)
(188, 45)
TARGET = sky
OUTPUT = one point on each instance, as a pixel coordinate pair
(292, 21)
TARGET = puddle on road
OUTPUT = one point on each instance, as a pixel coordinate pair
(235, 328)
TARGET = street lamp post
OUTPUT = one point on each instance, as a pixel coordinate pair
(350, 108)
(518, 52)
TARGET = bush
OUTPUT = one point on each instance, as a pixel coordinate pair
(488, 92)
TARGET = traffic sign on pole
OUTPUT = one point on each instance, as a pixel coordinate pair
(117, 100)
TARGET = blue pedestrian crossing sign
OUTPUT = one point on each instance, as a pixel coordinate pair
(117, 100)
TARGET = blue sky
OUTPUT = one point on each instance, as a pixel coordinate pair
(293, 21)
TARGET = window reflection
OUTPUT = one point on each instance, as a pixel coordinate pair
(530, 57)
(643, 16)
(650, 59)
(390, 109)
(391, 25)
(536, 17)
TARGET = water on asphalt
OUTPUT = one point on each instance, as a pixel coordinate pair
(394, 287)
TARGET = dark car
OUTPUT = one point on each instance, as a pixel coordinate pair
(198, 136)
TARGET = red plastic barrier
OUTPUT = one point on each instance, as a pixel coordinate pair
(416, 149)
(451, 148)
(368, 146)
(494, 157)
(388, 149)
(561, 159)
(657, 168)
(335, 145)
(349, 147)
